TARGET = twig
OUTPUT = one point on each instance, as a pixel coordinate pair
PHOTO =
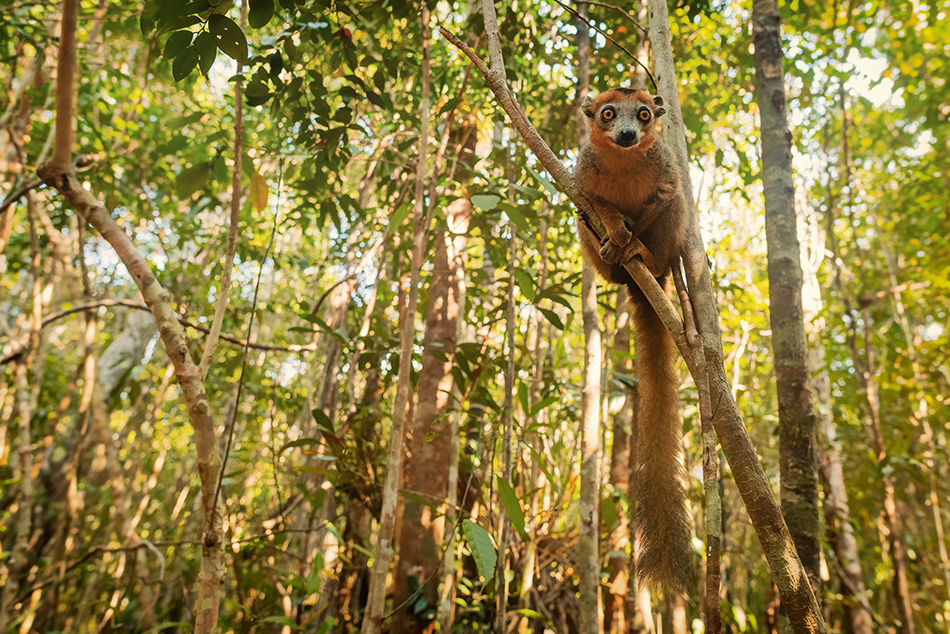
(247, 347)
(235, 219)
(638, 271)
(106, 303)
(623, 48)
(622, 10)
(19, 193)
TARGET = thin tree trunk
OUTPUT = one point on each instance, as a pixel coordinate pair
(429, 441)
(58, 173)
(588, 548)
(618, 581)
(894, 526)
(797, 457)
(372, 621)
(754, 487)
(507, 415)
(836, 508)
(211, 343)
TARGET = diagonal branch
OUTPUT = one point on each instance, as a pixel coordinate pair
(565, 182)
(705, 364)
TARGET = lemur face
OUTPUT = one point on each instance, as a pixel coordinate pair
(623, 118)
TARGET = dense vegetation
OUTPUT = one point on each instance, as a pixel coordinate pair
(101, 509)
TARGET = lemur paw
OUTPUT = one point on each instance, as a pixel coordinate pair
(611, 253)
(621, 235)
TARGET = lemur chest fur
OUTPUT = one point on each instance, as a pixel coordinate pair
(625, 180)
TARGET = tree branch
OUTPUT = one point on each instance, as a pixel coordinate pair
(706, 365)
(59, 174)
(222, 304)
(51, 318)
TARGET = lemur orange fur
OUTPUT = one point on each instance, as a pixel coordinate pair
(633, 183)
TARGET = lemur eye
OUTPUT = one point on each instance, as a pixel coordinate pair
(644, 114)
(607, 113)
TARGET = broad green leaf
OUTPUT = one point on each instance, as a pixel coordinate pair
(207, 51)
(260, 12)
(185, 63)
(515, 214)
(323, 421)
(300, 442)
(550, 399)
(483, 551)
(513, 505)
(531, 614)
(176, 43)
(548, 185)
(191, 179)
(282, 620)
(228, 36)
(485, 202)
(523, 396)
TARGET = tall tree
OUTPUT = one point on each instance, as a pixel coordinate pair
(798, 461)
(372, 621)
(591, 615)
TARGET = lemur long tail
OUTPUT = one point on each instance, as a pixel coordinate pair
(664, 526)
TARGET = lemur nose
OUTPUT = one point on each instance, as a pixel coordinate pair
(626, 137)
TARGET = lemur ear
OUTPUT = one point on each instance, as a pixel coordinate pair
(588, 106)
(659, 112)
(658, 101)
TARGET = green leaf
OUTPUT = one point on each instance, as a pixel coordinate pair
(485, 202)
(483, 551)
(185, 63)
(548, 185)
(552, 317)
(550, 399)
(513, 505)
(451, 103)
(514, 213)
(283, 620)
(260, 12)
(323, 421)
(228, 36)
(525, 283)
(191, 179)
(207, 51)
(523, 396)
(608, 512)
(421, 501)
(531, 614)
(257, 89)
(300, 442)
(176, 44)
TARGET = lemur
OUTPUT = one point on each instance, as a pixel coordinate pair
(633, 182)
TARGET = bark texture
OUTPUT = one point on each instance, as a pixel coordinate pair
(797, 456)
(589, 530)
(58, 173)
(616, 602)
(372, 621)
(429, 441)
(764, 512)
